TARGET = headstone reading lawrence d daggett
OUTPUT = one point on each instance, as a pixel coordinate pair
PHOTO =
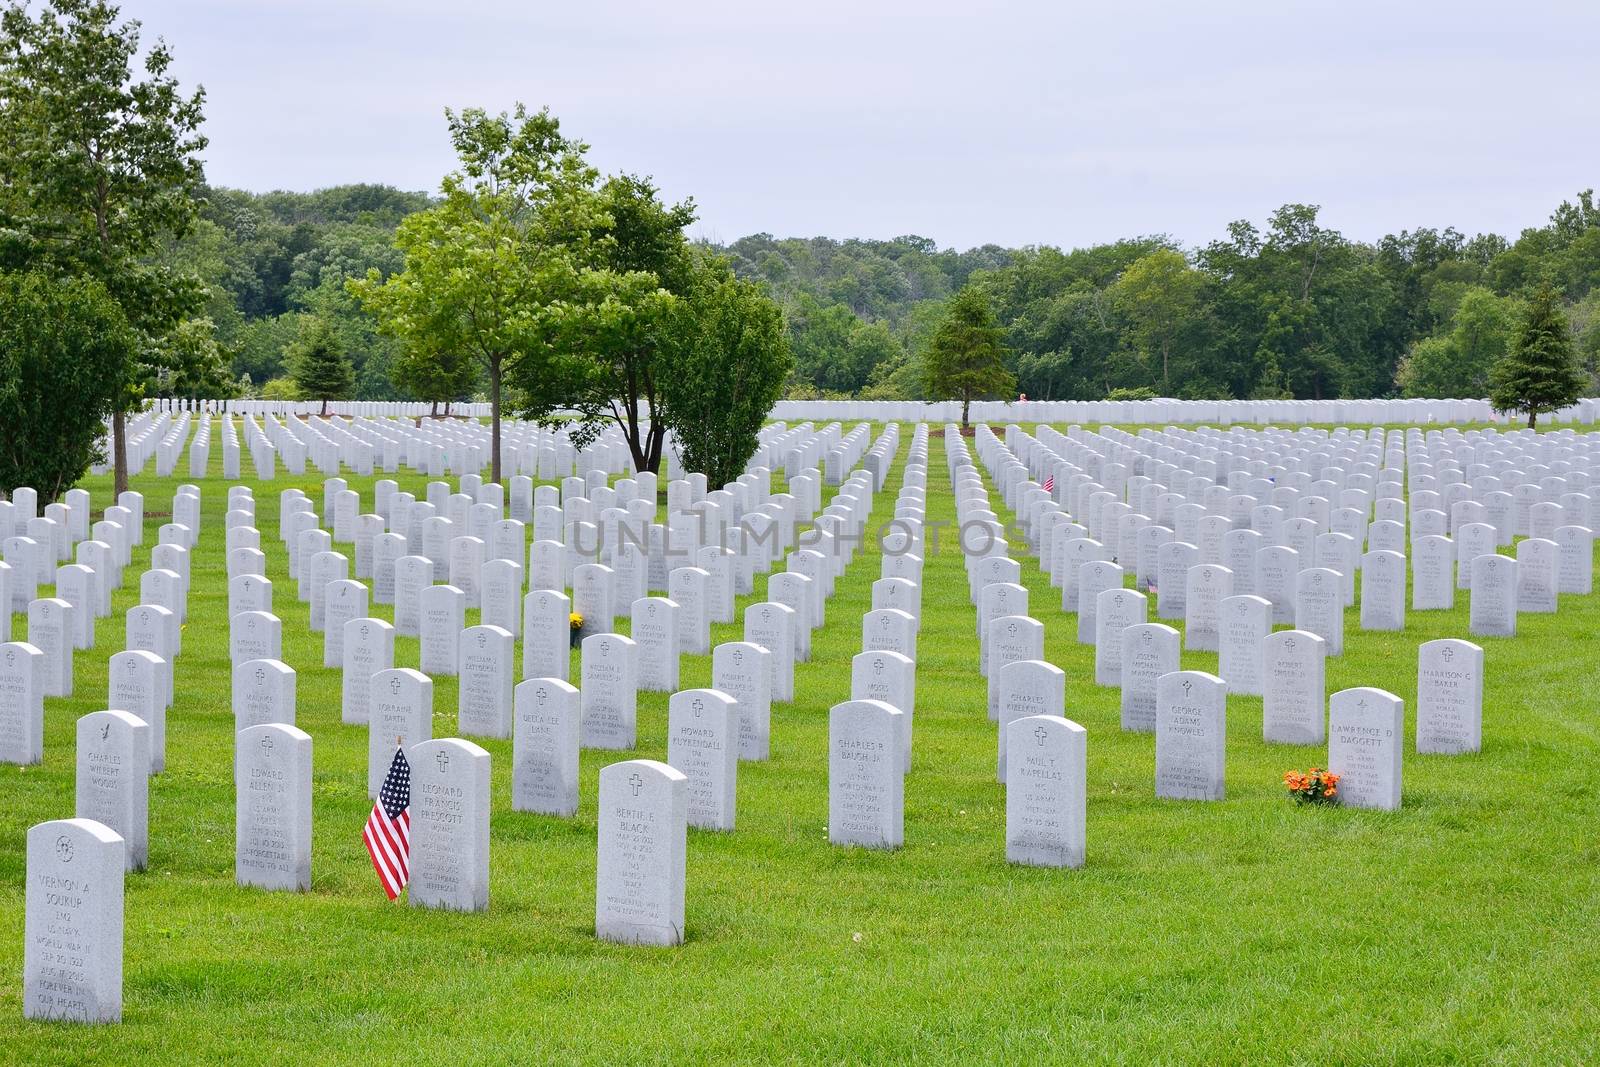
(72, 934)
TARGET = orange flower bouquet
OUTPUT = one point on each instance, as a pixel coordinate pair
(1312, 787)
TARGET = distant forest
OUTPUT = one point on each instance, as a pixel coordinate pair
(1283, 307)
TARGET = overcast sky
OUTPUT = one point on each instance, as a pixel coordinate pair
(1062, 123)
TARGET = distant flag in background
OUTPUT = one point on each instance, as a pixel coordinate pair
(1049, 483)
(388, 831)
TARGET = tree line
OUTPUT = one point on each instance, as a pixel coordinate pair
(1289, 308)
(531, 280)
(568, 297)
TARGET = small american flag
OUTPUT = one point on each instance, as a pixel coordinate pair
(1049, 483)
(388, 831)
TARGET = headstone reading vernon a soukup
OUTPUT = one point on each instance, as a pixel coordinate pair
(72, 934)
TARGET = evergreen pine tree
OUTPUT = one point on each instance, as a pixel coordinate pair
(1540, 372)
(965, 357)
(320, 368)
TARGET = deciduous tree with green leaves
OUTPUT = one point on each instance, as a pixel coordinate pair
(435, 377)
(636, 264)
(1540, 372)
(1160, 293)
(318, 362)
(99, 163)
(56, 339)
(499, 267)
(1457, 362)
(965, 359)
(729, 355)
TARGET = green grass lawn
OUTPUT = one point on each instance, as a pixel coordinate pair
(1463, 928)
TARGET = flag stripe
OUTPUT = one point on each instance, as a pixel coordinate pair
(387, 834)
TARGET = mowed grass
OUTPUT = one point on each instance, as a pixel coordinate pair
(1462, 928)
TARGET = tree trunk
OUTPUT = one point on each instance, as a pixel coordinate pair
(1165, 360)
(119, 452)
(494, 420)
(658, 436)
(1533, 417)
(324, 407)
(435, 412)
(966, 403)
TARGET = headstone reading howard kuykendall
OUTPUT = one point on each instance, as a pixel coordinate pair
(702, 742)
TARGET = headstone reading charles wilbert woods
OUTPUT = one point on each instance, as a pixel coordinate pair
(449, 825)
(72, 935)
(643, 831)
(113, 781)
(272, 811)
